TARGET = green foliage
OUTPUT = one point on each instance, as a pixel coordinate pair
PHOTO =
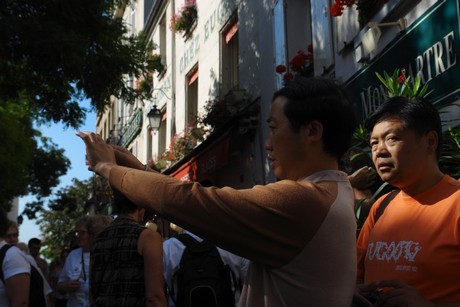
(400, 85)
(55, 53)
(58, 223)
(16, 151)
(449, 161)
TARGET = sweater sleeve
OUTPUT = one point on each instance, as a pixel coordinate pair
(269, 224)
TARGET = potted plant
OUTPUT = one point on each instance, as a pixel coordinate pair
(184, 20)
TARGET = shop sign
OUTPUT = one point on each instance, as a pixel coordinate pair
(133, 128)
(429, 49)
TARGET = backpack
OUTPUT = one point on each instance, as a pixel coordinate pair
(36, 294)
(203, 280)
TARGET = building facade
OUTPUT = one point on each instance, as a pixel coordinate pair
(225, 61)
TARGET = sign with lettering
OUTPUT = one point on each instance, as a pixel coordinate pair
(132, 130)
(429, 49)
(213, 22)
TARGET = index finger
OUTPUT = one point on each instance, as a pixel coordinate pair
(85, 136)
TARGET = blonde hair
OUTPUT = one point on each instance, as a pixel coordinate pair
(97, 223)
(22, 246)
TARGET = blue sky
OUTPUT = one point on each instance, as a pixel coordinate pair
(75, 151)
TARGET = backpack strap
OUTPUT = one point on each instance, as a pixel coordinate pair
(3, 251)
(385, 202)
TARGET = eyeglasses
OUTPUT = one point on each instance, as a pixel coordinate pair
(12, 235)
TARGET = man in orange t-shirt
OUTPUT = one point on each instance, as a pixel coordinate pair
(411, 256)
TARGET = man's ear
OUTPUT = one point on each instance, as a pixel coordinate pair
(432, 140)
(313, 130)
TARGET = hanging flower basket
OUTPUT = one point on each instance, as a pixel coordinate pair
(300, 64)
(183, 21)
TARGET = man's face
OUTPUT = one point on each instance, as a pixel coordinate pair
(12, 236)
(398, 153)
(286, 149)
(34, 249)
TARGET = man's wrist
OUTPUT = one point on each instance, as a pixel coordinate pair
(103, 169)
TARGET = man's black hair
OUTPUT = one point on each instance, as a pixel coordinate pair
(417, 114)
(323, 100)
(34, 241)
(122, 205)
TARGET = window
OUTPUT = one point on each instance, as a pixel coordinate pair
(132, 19)
(280, 38)
(162, 134)
(230, 59)
(192, 97)
(162, 44)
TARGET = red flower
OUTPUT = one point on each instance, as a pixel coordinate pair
(280, 69)
(288, 76)
(298, 61)
(310, 48)
(402, 77)
(336, 10)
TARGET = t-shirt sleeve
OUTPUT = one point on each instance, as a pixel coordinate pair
(15, 263)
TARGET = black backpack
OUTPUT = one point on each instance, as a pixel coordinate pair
(36, 294)
(203, 280)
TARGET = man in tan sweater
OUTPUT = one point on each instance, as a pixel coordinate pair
(309, 259)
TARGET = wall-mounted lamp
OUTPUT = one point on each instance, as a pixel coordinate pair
(370, 39)
(154, 116)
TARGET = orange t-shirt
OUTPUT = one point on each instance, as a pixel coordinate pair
(416, 241)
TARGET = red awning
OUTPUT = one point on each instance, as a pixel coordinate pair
(200, 166)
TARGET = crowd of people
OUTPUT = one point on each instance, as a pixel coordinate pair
(407, 252)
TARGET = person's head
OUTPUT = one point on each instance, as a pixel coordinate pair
(12, 234)
(406, 140)
(34, 245)
(81, 232)
(122, 205)
(96, 223)
(311, 119)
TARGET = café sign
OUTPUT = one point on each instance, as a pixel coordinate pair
(133, 128)
(427, 49)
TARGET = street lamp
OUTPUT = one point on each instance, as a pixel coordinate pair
(154, 117)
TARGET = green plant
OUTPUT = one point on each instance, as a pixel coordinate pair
(449, 161)
(154, 63)
(399, 84)
(181, 145)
